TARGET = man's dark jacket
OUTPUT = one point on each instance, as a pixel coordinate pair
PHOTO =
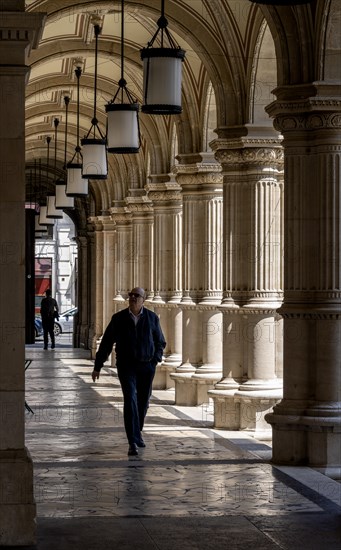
(141, 343)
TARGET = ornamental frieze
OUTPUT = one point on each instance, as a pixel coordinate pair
(197, 168)
(141, 207)
(309, 122)
(211, 178)
(263, 156)
(162, 196)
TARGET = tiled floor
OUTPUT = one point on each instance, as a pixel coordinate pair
(192, 487)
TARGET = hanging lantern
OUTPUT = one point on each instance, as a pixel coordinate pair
(43, 219)
(52, 211)
(76, 185)
(40, 231)
(162, 73)
(62, 200)
(95, 164)
(123, 133)
(94, 159)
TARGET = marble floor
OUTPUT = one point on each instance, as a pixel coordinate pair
(191, 487)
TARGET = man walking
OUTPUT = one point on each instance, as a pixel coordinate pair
(48, 311)
(139, 340)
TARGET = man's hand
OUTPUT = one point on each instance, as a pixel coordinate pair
(95, 375)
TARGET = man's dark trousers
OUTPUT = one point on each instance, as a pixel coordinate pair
(48, 328)
(136, 382)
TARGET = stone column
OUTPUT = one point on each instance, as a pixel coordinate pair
(306, 423)
(108, 269)
(97, 262)
(201, 181)
(253, 192)
(18, 32)
(142, 225)
(82, 328)
(165, 195)
(124, 256)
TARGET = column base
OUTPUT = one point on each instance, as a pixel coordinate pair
(191, 389)
(310, 440)
(162, 379)
(237, 410)
(17, 505)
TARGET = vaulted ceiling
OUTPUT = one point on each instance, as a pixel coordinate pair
(223, 40)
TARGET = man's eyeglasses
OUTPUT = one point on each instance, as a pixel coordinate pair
(134, 295)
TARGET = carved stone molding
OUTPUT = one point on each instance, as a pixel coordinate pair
(165, 196)
(120, 215)
(140, 204)
(96, 223)
(261, 156)
(199, 180)
(308, 122)
(208, 167)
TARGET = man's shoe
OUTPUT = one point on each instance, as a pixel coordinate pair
(52, 347)
(45, 347)
(140, 443)
(132, 451)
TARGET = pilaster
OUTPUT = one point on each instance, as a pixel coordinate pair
(142, 226)
(83, 300)
(19, 32)
(252, 165)
(307, 422)
(165, 194)
(124, 253)
(109, 283)
(201, 181)
(97, 263)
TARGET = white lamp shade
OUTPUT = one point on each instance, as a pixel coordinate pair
(76, 185)
(43, 219)
(39, 228)
(52, 211)
(95, 165)
(62, 200)
(162, 76)
(123, 128)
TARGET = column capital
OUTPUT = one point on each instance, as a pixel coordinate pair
(20, 31)
(196, 176)
(109, 224)
(164, 193)
(249, 151)
(138, 202)
(96, 222)
(306, 108)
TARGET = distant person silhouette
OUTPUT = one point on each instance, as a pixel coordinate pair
(49, 312)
